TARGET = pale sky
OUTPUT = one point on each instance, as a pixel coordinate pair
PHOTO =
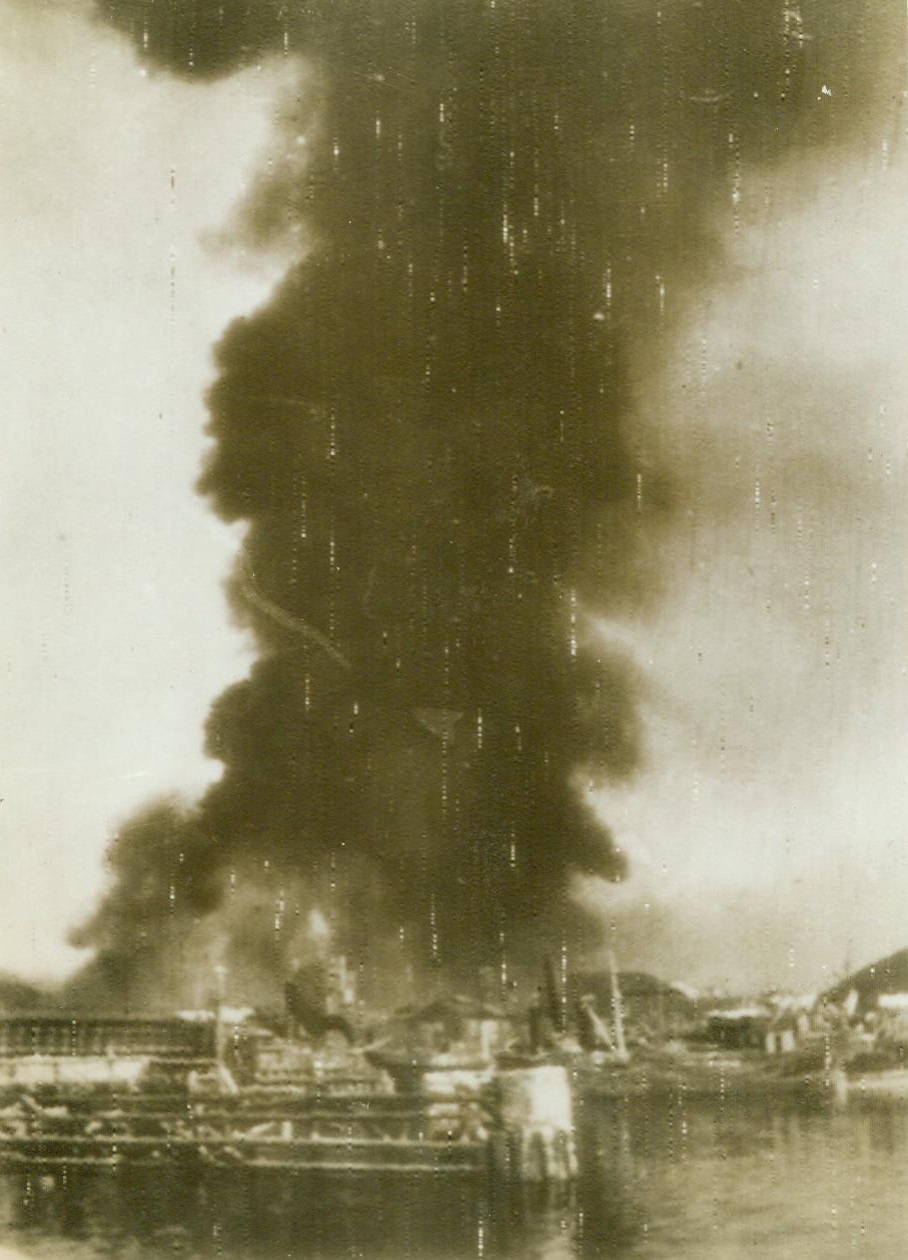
(776, 659)
(114, 634)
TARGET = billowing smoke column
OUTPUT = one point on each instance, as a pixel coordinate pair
(429, 433)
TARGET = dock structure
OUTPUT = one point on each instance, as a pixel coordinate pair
(521, 1130)
(534, 1138)
(61, 1036)
(54, 1051)
(109, 1093)
(364, 1134)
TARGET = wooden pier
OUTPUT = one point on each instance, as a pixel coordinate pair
(365, 1134)
(515, 1124)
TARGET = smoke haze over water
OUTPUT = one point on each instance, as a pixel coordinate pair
(430, 433)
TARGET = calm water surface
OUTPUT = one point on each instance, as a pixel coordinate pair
(690, 1181)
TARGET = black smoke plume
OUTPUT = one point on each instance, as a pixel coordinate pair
(430, 433)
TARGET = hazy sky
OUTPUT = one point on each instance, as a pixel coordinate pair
(776, 659)
(114, 635)
(766, 828)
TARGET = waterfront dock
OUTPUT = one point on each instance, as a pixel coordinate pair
(352, 1134)
(521, 1129)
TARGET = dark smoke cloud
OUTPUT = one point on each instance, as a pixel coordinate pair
(430, 434)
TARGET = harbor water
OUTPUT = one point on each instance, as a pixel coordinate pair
(697, 1179)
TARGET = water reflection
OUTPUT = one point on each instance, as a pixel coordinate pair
(673, 1177)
